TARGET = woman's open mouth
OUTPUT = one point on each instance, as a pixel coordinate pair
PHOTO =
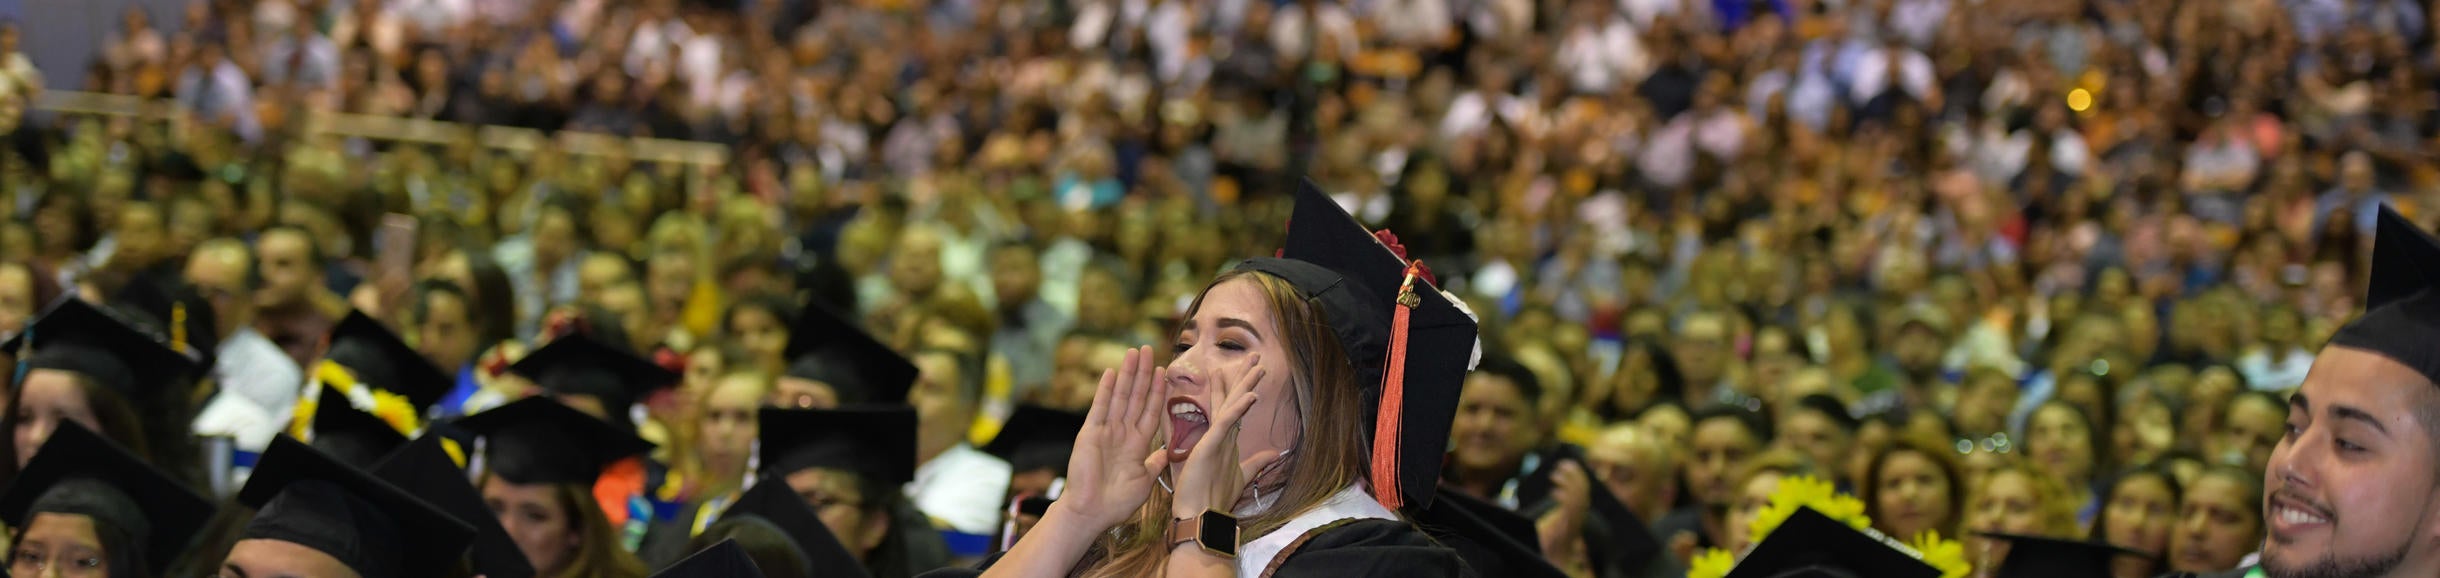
(1187, 422)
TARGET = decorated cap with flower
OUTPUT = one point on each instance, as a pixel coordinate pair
(1811, 530)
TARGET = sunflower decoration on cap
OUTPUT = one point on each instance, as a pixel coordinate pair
(1825, 527)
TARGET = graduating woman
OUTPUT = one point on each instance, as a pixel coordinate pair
(539, 463)
(92, 367)
(1300, 424)
(85, 504)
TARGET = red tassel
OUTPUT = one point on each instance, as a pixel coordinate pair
(1393, 398)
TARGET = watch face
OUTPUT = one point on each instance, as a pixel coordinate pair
(1219, 533)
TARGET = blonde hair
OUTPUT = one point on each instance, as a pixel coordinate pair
(2051, 500)
(1330, 453)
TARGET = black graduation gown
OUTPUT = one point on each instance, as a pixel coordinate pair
(1345, 549)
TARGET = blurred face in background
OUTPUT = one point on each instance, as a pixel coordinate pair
(1636, 469)
(1983, 404)
(283, 256)
(2218, 524)
(1721, 444)
(446, 332)
(729, 424)
(1494, 426)
(1818, 437)
(2253, 427)
(1913, 494)
(1702, 351)
(1752, 498)
(669, 281)
(1015, 276)
(2060, 442)
(2140, 513)
(763, 336)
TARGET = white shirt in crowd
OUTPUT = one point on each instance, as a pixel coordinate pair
(258, 391)
(961, 488)
(1600, 57)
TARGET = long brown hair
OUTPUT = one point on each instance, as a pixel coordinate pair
(1330, 453)
(1870, 486)
(113, 412)
(598, 552)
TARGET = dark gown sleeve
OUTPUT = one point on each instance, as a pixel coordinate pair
(665, 541)
(977, 570)
(1369, 549)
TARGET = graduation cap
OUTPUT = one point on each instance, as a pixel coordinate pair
(381, 359)
(1036, 437)
(80, 472)
(425, 469)
(2037, 556)
(723, 560)
(1363, 287)
(2401, 312)
(578, 364)
(310, 499)
(1491, 539)
(115, 352)
(351, 435)
(1811, 545)
(772, 501)
(874, 441)
(541, 441)
(826, 347)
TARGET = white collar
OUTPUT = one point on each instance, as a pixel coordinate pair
(1352, 503)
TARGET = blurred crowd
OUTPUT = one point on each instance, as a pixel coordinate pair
(2041, 267)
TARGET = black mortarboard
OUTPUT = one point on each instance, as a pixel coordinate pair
(167, 305)
(875, 440)
(1036, 437)
(352, 436)
(1810, 544)
(1492, 539)
(309, 499)
(771, 500)
(381, 359)
(540, 441)
(120, 354)
(2401, 311)
(2040, 557)
(723, 560)
(825, 346)
(80, 472)
(578, 364)
(1356, 279)
(424, 468)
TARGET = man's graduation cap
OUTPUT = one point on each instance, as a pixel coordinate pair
(351, 435)
(79, 472)
(2401, 311)
(380, 531)
(1383, 312)
(1036, 437)
(874, 441)
(1492, 539)
(2040, 557)
(579, 364)
(723, 560)
(1811, 545)
(540, 441)
(826, 347)
(115, 352)
(772, 501)
(381, 359)
(424, 468)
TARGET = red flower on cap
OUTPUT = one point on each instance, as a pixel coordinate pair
(1389, 239)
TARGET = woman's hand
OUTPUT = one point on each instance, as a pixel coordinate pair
(1213, 477)
(1107, 481)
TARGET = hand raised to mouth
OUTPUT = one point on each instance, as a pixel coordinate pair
(1213, 476)
(1108, 479)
